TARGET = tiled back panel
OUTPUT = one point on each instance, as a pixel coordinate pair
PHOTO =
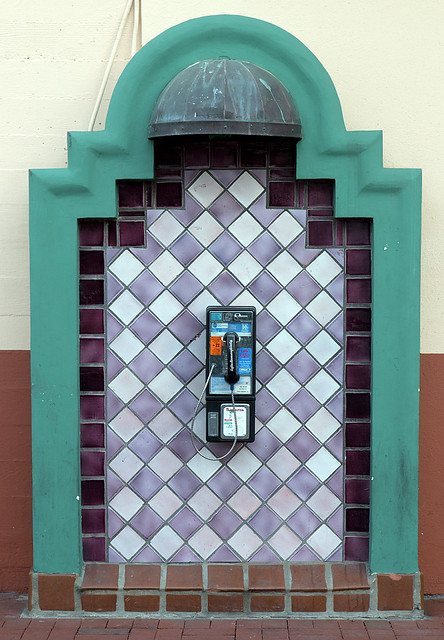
(235, 234)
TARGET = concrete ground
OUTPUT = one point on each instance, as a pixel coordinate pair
(14, 627)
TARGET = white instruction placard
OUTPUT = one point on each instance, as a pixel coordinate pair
(228, 424)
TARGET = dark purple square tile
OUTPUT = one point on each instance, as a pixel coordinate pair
(92, 407)
(358, 348)
(264, 445)
(359, 290)
(113, 287)
(303, 483)
(303, 405)
(182, 446)
(339, 233)
(146, 366)
(336, 289)
(266, 366)
(132, 234)
(356, 548)
(197, 154)
(94, 549)
(92, 463)
(303, 328)
(266, 326)
(185, 523)
(91, 263)
(282, 154)
(357, 462)
(145, 406)
(186, 287)
(145, 445)
(358, 232)
(303, 256)
(91, 321)
(91, 379)
(131, 193)
(264, 522)
(91, 292)
(184, 483)
(92, 435)
(224, 483)
(253, 154)
(91, 233)
(266, 405)
(320, 233)
(358, 376)
(264, 248)
(131, 213)
(183, 405)
(111, 228)
(93, 492)
(358, 262)
(146, 287)
(224, 523)
(305, 554)
(303, 288)
(357, 434)
(320, 193)
(265, 554)
(113, 405)
(357, 406)
(185, 248)
(320, 213)
(304, 522)
(225, 288)
(285, 172)
(264, 483)
(264, 287)
(336, 367)
(168, 194)
(357, 491)
(146, 522)
(146, 327)
(226, 209)
(146, 483)
(225, 248)
(357, 520)
(303, 444)
(282, 194)
(225, 154)
(335, 483)
(92, 350)
(223, 554)
(262, 213)
(186, 327)
(358, 319)
(185, 366)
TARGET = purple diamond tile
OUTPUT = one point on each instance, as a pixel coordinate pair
(303, 405)
(225, 176)
(114, 523)
(264, 248)
(113, 556)
(225, 288)
(335, 445)
(145, 406)
(303, 444)
(186, 287)
(266, 366)
(113, 484)
(182, 445)
(303, 288)
(260, 174)
(302, 366)
(264, 482)
(356, 548)
(266, 326)
(303, 256)
(146, 287)
(264, 522)
(336, 556)
(336, 328)
(146, 522)
(266, 405)
(261, 212)
(335, 522)
(146, 366)
(146, 483)
(265, 554)
(336, 289)
(224, 523)
(184, 405)
(113, 444)
(113, 327)
(223, 554)
(189, 176)
(300, 215)
(185, 366)
(303, 327)
(146, 327)
(185, 555)
(185, 248)
(185, 523)
(190, 212)
(304, 554)
(336, 367)
(336, 406)
(335, 483)
(225, 248)
(145, 445)
(264, 445)
(113, 287)
(113, 365)
(184, 483)
(111, 254)
(113, 405)
(303, 483)
(147, 555)
(264, 287)
(224, 484)
(152, 251)
(186, 327)
(304, 522)
(226, 209)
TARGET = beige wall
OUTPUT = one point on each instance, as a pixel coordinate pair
(385, 59)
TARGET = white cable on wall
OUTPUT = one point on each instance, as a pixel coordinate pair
(136, 22)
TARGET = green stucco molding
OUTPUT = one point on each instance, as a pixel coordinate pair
(86, 189)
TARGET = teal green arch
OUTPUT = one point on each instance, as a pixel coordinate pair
(86, 189)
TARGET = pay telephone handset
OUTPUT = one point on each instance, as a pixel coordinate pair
(230, 341)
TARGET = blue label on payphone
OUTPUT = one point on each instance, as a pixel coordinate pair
(244, 361)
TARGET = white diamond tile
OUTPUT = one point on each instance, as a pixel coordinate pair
(165, 346)
(205, 189)
(285, 228)
(323, 308)
(284, 502)
(244, 502)
(283, 386)
(165, 464)
(284, 542)
(245, 267)
(126, 503)
(166, 307)
(166, 268)
(246, 189)
(166, 542)
(196, 384)
(166, 228)
(165, 503)
(205, 542)
(205, 267)
(245, 542)
(197, 348)
(125, 385)
(204, 502)
(165, 385)
(284, 425)
(324, 541)
(322, 464)
(322, 386)
(205, 229)
(322, 347)
(283, 463)
(244, 464)
(126, 424)
(126, 267)
(246, 299)
(200, 426)
(127, 542)
(284, 307)
(323, 269)
(126, 307)
(204, 469)
(245, 229)
(165, 425)
(283, 346)
(126, 464)
(323, 425)
(199, 305)
(323, 502)
(127, 345)
(284, 268)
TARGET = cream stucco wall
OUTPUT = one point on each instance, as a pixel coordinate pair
(385, 59)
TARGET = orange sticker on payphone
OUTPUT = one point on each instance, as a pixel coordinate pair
(215, 346)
